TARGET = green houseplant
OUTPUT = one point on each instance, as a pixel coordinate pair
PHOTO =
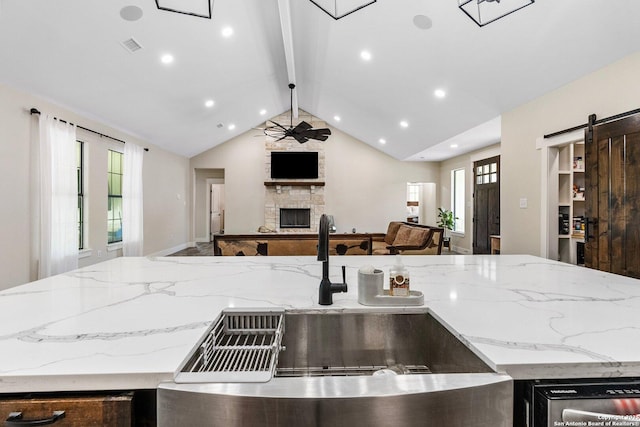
(447, 221)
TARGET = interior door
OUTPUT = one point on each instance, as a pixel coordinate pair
(486, 203)
(216, 211)
(612, 178)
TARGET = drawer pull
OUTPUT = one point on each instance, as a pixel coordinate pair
(15, 419)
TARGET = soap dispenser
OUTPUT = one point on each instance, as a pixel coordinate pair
(399, 279)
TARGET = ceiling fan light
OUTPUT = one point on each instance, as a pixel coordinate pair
(484, 12)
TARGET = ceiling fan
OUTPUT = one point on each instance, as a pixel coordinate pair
(302, 132)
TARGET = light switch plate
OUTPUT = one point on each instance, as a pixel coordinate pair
(523, 203)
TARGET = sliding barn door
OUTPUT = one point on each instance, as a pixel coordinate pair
(612, 178)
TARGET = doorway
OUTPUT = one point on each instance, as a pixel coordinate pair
(486, 203)
(201, 213)
(612, 181)
(421, 202)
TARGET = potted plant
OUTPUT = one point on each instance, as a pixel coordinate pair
(447, 221)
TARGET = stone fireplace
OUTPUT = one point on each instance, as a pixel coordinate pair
(294, 195)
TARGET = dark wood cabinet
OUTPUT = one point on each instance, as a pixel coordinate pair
(88, 409)
(79, 411)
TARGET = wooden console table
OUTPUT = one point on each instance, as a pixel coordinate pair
(495, 244)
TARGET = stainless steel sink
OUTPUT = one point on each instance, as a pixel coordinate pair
(357, 368)
(365, 343)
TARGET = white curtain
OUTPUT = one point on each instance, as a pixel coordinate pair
(58, 190)
(132, 210)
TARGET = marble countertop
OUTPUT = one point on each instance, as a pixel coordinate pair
(128, 323)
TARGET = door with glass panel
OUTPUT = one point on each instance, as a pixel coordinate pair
(486, 203)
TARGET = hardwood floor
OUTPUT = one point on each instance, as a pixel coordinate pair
(201, 249)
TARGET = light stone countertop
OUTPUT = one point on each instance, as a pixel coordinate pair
(128, 323)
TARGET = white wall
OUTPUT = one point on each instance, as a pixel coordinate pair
(606, 92)
(365, 188)
(165, 176)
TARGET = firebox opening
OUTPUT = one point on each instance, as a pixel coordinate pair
(295, 218)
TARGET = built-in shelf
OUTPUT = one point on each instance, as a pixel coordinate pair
(566, 184)
(294, 183)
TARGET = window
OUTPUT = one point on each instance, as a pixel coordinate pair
(487, 174)
(114, 209)
(80, 178)
(413, 192)
(457, 199)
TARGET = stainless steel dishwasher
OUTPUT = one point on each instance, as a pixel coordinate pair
(334, 368)
(586, 403)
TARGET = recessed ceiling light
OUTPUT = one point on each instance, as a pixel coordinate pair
(454, 146)
(423, 22)
(227, 32)
(232, 126)
(439, 93)
(131, 13)
(382, 141)
(263, 112)
(209, 103)
(166, 59)
(365, 55)
(404, 124)
(337, 118)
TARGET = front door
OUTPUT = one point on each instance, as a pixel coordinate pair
(612, 178)
(486, 203)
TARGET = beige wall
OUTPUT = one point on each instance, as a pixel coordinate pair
(165, 176)
(365, 188)
(606, 92)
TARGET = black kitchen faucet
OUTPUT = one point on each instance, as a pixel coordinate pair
(327, 289)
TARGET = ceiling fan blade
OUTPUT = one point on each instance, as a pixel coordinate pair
(278, 125)
(301, 127)
(318, 134)
(300, 138)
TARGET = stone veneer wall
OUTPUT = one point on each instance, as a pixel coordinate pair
(287, 196)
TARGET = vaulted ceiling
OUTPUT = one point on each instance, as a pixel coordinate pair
(71, 52)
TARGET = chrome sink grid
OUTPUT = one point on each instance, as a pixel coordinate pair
(345, 371)
(240, 346)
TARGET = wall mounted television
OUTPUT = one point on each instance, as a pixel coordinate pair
(294, 164)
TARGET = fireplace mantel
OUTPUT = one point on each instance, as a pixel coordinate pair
(294, 184)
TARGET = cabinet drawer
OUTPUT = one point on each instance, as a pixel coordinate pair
(79, 411)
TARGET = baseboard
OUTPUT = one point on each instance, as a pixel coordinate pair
(172, 250)
(202, 240)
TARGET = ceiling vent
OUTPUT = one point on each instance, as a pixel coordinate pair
(131, 45)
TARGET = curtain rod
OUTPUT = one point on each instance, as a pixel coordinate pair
(597, 122)
(36, 111)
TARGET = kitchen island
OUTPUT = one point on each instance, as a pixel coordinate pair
(128, 323)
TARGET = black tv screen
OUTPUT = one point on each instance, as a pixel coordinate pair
(294, 164)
